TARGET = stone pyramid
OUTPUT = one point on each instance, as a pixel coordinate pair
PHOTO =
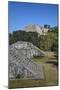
(21, 63)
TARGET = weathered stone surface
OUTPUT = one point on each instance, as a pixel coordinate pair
(20, 62)
(36, 28)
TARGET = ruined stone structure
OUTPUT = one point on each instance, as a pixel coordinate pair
(36, 28)
(21, 63)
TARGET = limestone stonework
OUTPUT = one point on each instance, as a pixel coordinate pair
(21, 63)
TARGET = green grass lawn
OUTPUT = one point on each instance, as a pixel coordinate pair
(50, 72)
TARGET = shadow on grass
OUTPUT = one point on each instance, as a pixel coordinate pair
(55, 63)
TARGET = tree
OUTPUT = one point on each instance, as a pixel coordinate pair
(46, 26)
(47, 42)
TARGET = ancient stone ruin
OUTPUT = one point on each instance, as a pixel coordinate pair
(21, 64)
(42, 30)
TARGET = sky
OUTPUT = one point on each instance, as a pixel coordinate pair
(21, 14)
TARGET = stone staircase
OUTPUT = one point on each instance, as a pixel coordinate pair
(19, 63)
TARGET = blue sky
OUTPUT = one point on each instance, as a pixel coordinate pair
(21, 14)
